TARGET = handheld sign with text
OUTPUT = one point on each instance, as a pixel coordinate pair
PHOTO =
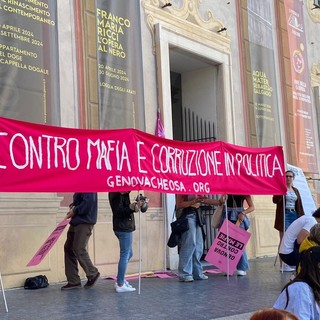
(48, 244)
(228, 247)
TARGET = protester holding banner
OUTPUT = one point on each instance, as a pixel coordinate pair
(191, 241)
(83, 213)
(294, 236)
(238, 214)
(292, 206)
(123, 226)
(302, 295)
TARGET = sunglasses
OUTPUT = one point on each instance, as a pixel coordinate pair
(289, 176)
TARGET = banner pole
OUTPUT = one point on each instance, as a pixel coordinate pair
(164, 200)
(4, 296)
(140, 251)
(284, 229)
(228, 262)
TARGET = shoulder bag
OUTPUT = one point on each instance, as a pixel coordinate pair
(217, 217)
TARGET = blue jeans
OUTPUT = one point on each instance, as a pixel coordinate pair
(125, 241)
(290, 216)
(191, 250)
(243, 263)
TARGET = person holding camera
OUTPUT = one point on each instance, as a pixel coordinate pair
(123, 226)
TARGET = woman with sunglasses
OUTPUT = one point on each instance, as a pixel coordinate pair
(292, 206)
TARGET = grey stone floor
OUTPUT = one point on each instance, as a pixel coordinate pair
(215, 298)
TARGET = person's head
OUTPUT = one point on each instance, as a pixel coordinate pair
(315, 233)
(289, 177)
(310, 270)
(316, 214)
(273, 314)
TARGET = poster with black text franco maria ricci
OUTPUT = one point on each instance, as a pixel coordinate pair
(119, 56)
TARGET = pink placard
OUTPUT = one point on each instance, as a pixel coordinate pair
(48, 244)
(228, 247)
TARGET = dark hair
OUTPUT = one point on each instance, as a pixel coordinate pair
(316, 214)
(291, 172)
(309, 271)
(273, 314)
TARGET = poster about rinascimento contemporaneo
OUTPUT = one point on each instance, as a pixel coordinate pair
(29, 78)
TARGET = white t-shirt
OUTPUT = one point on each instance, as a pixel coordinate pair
(301, 301)
(291, 234)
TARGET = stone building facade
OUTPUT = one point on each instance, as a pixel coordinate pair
(197, 71)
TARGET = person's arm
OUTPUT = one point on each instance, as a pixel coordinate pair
(247, 210)
(298, 205)
(183, 202)
(87, 200)
(215, 202)
(277, 199)
(120, 209)
(302, 235)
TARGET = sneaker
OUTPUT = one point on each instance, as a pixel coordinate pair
(286, 268)
(241, 273)
(124, 288)
(186, 279)
(70, 286)
(125, 283)
(202, 277)
(90, 283)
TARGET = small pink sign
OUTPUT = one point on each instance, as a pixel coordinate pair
(227, 247)
(48, 244)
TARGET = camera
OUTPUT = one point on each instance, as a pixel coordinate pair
(145, 200)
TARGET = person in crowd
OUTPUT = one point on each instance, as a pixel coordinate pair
(302, 295)
(293, 237)
(191, 241)
(123, 226)
(293, 210)
(237, 213)
(312, 240)
(83, 216)
(273, 314)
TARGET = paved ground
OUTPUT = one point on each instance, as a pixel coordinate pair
(215, 298)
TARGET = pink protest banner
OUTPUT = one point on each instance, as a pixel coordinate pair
(48, 244)
(227, 247)
(41, 158)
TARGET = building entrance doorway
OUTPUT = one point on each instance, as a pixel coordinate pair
(194, 108)
(195, 93)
